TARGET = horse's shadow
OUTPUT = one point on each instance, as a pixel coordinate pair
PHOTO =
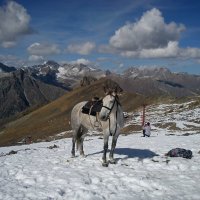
(132, 153)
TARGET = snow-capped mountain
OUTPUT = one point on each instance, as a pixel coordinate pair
(79, 70)
(145, 72)
(42, 70)
(36, 85)
(65, 75)
(66, 71)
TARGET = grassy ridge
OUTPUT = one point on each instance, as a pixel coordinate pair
(54, 117)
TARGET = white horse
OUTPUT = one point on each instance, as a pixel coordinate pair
(110, 119)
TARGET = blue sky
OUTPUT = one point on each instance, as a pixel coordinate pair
(111, 34)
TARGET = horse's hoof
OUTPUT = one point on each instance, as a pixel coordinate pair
(73, 156)
(105, 164)
(112, 161)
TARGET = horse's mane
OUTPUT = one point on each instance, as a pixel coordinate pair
(111, 86)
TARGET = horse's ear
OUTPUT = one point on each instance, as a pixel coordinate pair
(111, 87)
(120, 93)
(105, 90)
(114, 93)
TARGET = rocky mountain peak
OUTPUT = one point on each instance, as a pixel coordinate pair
(79, 70)
(6, 69)
(52, 64)
(144, 72)
(20, 73)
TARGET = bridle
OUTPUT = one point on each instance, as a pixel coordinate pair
(110, 110)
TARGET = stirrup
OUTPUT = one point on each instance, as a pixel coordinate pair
(96, 124)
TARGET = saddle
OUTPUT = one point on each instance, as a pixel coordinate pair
(93, 107)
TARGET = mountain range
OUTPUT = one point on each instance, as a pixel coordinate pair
(158, 81)
(31, 87)
(66, 75)
(143, 80)
(26, 87)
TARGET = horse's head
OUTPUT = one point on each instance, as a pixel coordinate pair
(109, 102)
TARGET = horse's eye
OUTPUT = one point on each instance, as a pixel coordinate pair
(112, 101)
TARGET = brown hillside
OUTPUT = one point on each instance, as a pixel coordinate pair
(54, 117)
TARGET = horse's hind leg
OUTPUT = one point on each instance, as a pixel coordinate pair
(114, 142)
(81, 139)
(81, 146)
(74, 139)
(77, 140)
(73, 144)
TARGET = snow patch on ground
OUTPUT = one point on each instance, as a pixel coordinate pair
(142, 171)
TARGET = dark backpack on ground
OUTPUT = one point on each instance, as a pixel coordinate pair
(179, 152)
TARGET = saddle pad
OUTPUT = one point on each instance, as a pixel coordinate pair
(96, 107)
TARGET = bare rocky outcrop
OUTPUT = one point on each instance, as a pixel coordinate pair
(87, 80)
(20, 91)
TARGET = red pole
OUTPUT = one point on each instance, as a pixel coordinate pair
(143, 115)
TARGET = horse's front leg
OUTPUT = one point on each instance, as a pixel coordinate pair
(105, 149)
(114, 142)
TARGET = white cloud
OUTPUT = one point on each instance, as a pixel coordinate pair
(107, 49)
(82, 61)
(8, 44)
(14, 22)
(150, 37)
(35, 58)
(150, 32)
(171, 50)
(11, 60)
(39, 49)
(82, 49)
(190, 52)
